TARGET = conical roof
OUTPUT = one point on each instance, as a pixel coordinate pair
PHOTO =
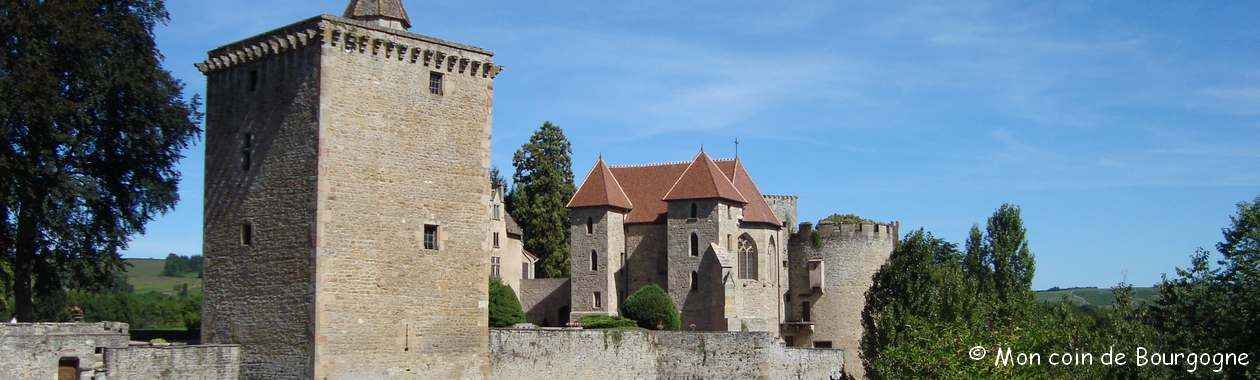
(703, 180)
(601, 189)
(372, 10)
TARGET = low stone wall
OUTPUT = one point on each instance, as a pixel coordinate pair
(174, 362)
(545, 301)
(637, 354)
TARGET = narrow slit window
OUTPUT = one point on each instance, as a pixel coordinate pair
(590, 226)
(695, 244)
(594, 260)
(253, 80)
(695, 211)
(247, 151)
(430, 236)
(599, 300)
(435, 83)
(247, 234)
(695, 280)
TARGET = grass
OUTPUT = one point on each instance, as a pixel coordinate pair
(146, 275)
(1093, 296)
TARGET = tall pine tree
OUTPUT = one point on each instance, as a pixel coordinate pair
(91, 128)
(543, 184)
(1006, 242)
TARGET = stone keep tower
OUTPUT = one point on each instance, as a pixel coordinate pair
(346, 218)
(597, 244)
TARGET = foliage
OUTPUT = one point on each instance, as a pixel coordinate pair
(815, 239)
(92, 127)
(846, 219)
(149, 310)
(1006, 248)
(543, 184)
(652, 309)
(505, 309)
(496, 178)
(181, 266)
(606, 322)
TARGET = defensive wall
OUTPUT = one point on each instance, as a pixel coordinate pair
(93, 350)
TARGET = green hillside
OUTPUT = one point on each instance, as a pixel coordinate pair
(1093, 296)
(146, 275)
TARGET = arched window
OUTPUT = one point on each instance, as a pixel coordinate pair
(695, 244)
(590, 226)
(747, 258)
(695, 211)
(594, 260)
(695, 280)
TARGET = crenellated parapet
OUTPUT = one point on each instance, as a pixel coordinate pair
(356, 37)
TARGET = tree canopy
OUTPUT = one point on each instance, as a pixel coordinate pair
(92, 127)
(543, 184)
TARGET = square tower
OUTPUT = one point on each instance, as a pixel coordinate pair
(346, 231)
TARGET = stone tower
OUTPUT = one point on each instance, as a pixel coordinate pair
(597, 244)
(346, 219)
(704, 212)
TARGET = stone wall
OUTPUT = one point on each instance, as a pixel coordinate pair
(606, 242)
(545, 301)
(174, 362)
(784, 208)
(638, 354)
(703, 306)
(646, 256)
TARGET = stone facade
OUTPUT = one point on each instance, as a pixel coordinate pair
(595, 257)
(850, 254)
(102, 350)
(546, 301)
(308, 127)
(784, 207)
(612, 354)
(509, 262)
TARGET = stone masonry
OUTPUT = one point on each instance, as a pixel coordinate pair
(102, 350)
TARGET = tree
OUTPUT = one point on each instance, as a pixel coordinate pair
(845, 219)
(496, 178)
(977, 260)
(543, 185)
(505, 308)
(652, 309)
(1006, 243)
(92, 128)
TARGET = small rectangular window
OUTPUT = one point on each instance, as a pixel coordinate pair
(247, 234)
(253, 80)
(525, 270)
(599, 300)
(496, 240)
(430, 236)
(494, 267)
(435, 83)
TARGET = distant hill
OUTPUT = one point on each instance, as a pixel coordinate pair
(1096, 297)
(146, 275)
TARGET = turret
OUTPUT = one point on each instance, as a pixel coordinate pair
(597, 244)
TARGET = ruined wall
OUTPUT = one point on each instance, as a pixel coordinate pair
(260, 295)
(33, 350)
(851, 254)
(545, 301)
(638, 354)
(174, 362)
(395, 158)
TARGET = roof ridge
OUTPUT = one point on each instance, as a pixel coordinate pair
(644, 165)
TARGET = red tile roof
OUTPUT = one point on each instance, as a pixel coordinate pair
(703, 180)
(600, 189)
(646, 187)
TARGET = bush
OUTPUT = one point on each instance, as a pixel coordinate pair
(652, 309)
(605, 322)
(505, 309)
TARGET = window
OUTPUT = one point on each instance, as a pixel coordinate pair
(806, 313)
(730, 242)
(430, 236)
(590, 226)
(599, 300)
(496, 212)
(496, 240)
(253, 80)
(728, 211)
(695, 211)
(695, 244)
(247, 234)
(525, 270)
(747, 258)
(494, 267)
(435, 83)
(822, 344)
(594, 260)
(695, 280)
(247, 151)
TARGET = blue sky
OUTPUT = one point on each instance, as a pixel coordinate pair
(1126, 130)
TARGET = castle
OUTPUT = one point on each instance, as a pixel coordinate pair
(350, 229)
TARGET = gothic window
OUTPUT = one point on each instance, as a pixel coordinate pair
(435, 83)
(430, 236)
(594, 260)
(247, 234)
(695, 211)
(747, 258)
(494, 267)
(695, 244)
(590, 226)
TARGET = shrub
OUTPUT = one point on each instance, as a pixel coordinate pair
(605, 322)
(652, 309)
(505, 309)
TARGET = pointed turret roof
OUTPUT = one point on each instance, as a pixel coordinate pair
(601, 189)
(374, 10)
(703, 180)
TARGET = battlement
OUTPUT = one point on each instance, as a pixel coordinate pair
(781, 197)
(355, 37)
(831, 230)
